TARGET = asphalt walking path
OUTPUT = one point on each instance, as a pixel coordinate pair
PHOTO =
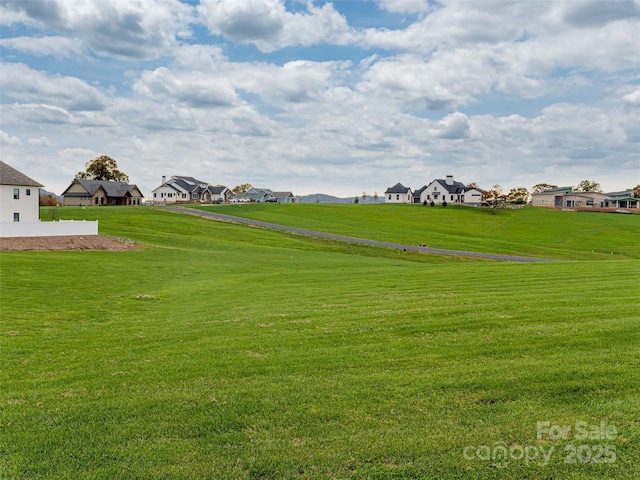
(343, 238)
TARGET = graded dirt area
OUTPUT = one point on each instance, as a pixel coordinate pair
(75, 242)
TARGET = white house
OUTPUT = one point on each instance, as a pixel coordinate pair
(398, 194)
(449, 191)
(19, 196)
(188, 189)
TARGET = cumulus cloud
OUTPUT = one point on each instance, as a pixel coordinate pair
(23, 83)
(195, 89)
(268, 25)
(632, 98)
(132, 29)
(40, 142)
(6, 139)
(59, 47)
(454, 126)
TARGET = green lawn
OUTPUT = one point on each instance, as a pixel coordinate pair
(224, 351)
(530, 231)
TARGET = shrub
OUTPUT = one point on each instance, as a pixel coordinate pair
(444, 203)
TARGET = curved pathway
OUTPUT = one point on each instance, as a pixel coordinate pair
(343, 238)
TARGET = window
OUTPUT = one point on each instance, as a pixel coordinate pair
(16, 193)
(28, 191)
(397, 197)
(154, 195)
(16, 217)
(452, 198)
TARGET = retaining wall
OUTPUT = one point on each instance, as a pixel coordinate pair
(48, 229)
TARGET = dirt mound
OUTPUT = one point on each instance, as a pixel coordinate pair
(71, 242)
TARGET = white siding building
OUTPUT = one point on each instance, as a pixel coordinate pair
(19, 196)
(398, 194)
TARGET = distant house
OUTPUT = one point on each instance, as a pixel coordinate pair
(552, 197)
(398, 194)
(284, 197)
(255, 195)
(624, 199)
(85, 192)
(565, 197)
(19, 196)
(449, 191)
(188, 189)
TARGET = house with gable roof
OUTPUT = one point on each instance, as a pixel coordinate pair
(255, 195)
(19, 196)
(450, 191)
(85, 192)
(188, 189)
(398, 194)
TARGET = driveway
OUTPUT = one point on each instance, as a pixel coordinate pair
(343, 238)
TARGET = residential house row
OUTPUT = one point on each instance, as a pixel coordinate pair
(566, 197)
(439, 191)
(188, 189)
(177, 189)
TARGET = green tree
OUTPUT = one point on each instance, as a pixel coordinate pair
(588, 186)
(356, 199)
(375, 196)
(518, 195)
(103, 168)
(473, 185)
(636, 191)
(543, 186)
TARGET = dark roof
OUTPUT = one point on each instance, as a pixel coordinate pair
(11, 176)
(457, 187)
(397, 188)
(112, 189)
(417, 193)
(282, 194)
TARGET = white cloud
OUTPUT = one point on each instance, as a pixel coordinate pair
(633, 98)
(41, 142)
(6, 139)
(59, 47)
(195, 89)
(23, 83)
(404, 6)
(268, 25)
(131, 29)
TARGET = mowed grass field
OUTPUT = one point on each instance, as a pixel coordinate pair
(224, 351)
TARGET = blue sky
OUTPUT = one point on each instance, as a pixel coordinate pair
(333, 97)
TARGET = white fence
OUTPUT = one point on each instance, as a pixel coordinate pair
(48, 229)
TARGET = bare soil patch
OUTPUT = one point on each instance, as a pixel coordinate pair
(71, 242)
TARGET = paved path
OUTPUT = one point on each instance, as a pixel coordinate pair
(342, 238)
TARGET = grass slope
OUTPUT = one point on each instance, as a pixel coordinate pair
(531, 231)
(232, 352)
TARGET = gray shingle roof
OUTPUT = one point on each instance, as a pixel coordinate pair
(397, 188)
(112, 189)
(457, 187)
(11, 176)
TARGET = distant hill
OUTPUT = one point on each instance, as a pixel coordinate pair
(323, 198)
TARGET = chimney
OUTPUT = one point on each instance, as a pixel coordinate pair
(164, 179)
(449, 180)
